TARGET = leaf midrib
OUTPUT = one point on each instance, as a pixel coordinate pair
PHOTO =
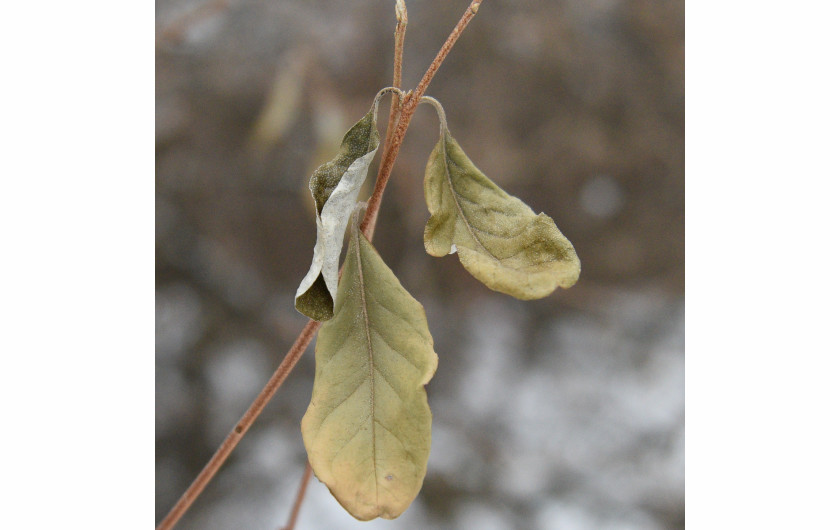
(371, 367)
(457, 203)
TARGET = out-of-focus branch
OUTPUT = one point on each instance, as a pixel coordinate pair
(174, 31)
(304, 481)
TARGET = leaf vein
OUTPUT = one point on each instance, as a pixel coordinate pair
(387, 382)
(500, 236)
(483, 206)
(347, 441)
(389, 431)
(396, 351)
(398, 315)
(455, 196)
(343, 401)
(522, 249)
(372, 369)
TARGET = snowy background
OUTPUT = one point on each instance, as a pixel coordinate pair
(562, 413)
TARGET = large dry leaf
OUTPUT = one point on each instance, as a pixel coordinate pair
(335, 188)
(499, 239)
(367, 430)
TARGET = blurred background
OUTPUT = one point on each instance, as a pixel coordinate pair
(561, 413)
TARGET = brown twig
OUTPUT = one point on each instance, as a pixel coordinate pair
(409, 106)
(304, 481)
(406, 110)
(235, 435)
(396, 104)
(399, 41)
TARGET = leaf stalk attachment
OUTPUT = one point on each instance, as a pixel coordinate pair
(439, 109)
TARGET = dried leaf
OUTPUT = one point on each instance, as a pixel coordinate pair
(367, 430)
(335, 188)
(499, 239)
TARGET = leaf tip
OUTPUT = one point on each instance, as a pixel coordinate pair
(316, 302)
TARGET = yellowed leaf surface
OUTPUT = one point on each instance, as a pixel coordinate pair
(367, 430)
(499, 239)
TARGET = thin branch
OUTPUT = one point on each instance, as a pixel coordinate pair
(409, 106)
(235, 435)
(304, 481)
(444, 51)
(399, 41)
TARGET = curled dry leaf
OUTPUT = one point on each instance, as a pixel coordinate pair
(499, 239)
(367, 430)
(335, 188)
